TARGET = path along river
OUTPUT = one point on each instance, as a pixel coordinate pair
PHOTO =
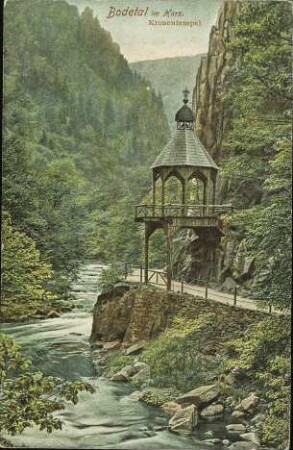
(108, 418)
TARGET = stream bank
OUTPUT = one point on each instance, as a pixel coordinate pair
(172, 346)
(110, 418)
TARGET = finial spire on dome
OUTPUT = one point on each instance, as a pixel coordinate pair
(185, 93)
(184, 117)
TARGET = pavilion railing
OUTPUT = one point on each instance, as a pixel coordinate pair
(181, 210)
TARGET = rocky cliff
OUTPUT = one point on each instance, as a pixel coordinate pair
(131, 314)
(207, 105)
(227, 263)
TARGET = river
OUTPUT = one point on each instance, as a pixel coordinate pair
(108, 418)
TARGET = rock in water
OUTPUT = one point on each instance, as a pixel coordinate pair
(252, 437)
(171, 407)
(250, 403)
(124, 374)
(242, 445)
(184, 421)
(142, 375)
(237, 414)
(213, 441)
(212, 410)
(53, 314)
(236, 428)
(200, 396)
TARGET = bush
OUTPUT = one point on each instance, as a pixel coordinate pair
(110, 276)
(176, 357)
(265, 352)
(29, 398)
(116, 362)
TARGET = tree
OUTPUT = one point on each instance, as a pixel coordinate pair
(23, 273)
(257, 140)
(29, 398)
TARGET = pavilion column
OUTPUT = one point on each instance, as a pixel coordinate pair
(146, 254)
(205, 197)
(214, 194)
(169, 260)
(154, 194)
(184, 197)
(163, 197)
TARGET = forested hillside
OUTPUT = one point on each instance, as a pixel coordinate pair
(180, 72)
(80, 129)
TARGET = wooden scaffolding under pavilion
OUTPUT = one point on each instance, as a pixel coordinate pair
(186, 159)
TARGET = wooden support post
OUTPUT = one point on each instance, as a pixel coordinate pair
(146, 255)
(169, 268)
(235, 295)
(154, 195)
(140, 275)
(214, 181)
(270, 308)
(163, 198)
(206, 290)
(183, 197)
(205, 197)
(182, 287)
(157, 278)
(125, 271)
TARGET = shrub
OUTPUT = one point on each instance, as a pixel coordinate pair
(265, 352)
(176, 357)
(29, 398)
(110, 276)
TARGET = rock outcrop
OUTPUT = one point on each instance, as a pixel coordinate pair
(126, 316)
(184, 421)
(207, 106)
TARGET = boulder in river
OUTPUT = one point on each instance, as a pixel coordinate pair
(236, 428)
(212, 441)
(200, 396)
(243, 445)
(171, 407)
(252, 437)
(142, 375)
(184, 421)
(124, 374)
(250, 403)
(53, 314)
(212, 410)
(238, 414)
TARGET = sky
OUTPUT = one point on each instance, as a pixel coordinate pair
(143, 37)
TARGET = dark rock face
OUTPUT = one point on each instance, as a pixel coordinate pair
(129, 315)
(208, 109)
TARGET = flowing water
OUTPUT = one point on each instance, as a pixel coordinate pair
(108, 418)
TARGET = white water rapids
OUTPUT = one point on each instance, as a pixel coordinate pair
(108, 418)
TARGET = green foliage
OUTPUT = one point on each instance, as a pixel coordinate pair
(23, 273)
(265, 353)
(110, 276)
(176, 357)
(115, 362)
(157, 398)
(81, 130)
(257, 140)
(29, 398)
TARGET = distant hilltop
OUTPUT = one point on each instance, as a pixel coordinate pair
(169, 76)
